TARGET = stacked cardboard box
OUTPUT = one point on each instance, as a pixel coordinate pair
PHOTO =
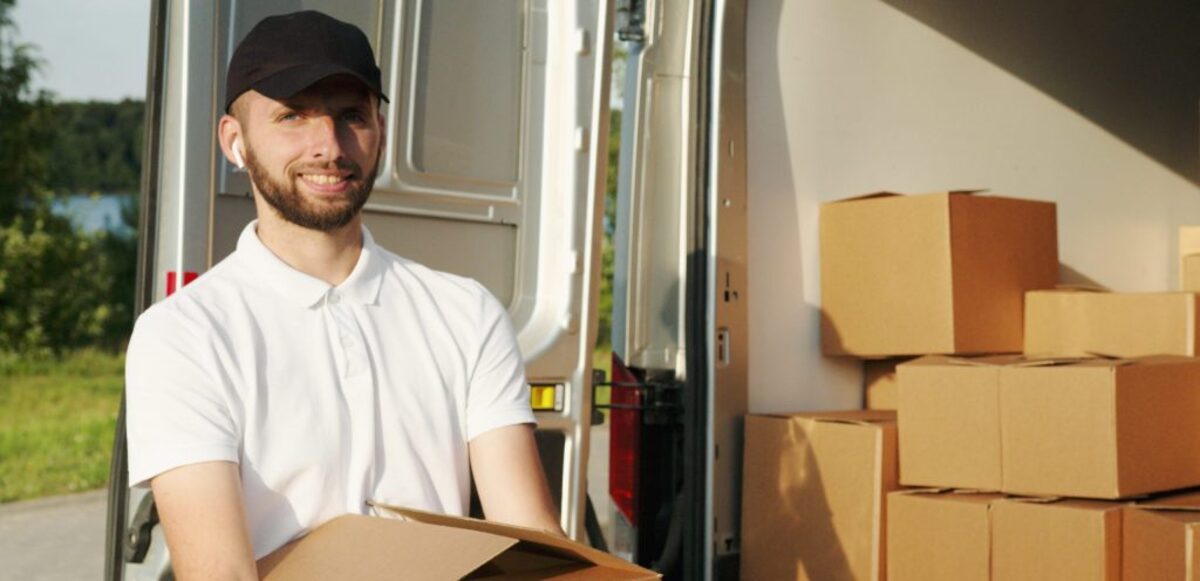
(880, 388)
(1161, 540)
(967, 536)
(1189, 258)
(933, 273)
(1029, 418)
(901, 275)
(1088, 428)
(1077, 323)
(814, 492)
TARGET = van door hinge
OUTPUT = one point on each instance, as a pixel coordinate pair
(137, 536)
(661, 399)
(631, 19)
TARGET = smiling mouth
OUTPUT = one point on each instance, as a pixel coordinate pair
(324, 179)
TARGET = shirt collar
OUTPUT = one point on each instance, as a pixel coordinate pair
(307, 291)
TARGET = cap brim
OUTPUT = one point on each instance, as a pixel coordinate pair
(291, 81)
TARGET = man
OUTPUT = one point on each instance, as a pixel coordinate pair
(312, 371)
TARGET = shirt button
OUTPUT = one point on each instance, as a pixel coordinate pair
(334, 298)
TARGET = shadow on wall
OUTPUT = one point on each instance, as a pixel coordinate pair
(1132, 68)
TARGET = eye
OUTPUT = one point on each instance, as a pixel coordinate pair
(354, 116)
(287, 116)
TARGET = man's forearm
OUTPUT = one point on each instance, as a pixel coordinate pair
(202, 512)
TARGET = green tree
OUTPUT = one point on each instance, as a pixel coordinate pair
(605, 306)
(25, 133)
(56, 283)
(97, 146)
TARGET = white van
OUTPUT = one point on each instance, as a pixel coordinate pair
(740, 118)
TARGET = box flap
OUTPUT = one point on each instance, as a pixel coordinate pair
(1074, 288)
(982, 496)
(984, 361)
(858, 417)
(1187, 501)
(866, 197)
(556, 544)
(886, 194)
(364, 547)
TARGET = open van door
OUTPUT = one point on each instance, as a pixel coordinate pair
(679, 301)
(494, 169)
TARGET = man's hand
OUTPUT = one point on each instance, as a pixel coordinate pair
(200, 506)
(509, 477)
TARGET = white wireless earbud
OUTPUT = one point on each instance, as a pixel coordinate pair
(237, 153)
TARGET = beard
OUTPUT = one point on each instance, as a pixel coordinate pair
(284, 195)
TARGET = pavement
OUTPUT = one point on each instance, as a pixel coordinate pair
(55, 538)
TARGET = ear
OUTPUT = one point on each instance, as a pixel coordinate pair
(229, 134)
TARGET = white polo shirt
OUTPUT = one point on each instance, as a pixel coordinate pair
(326, 397)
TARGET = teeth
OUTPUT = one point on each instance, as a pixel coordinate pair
(325, 180)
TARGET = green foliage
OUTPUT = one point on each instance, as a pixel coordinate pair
(97, 146)
(605, 306)
(53, 282)
(60, 288)
(57, 417)
(25, 133)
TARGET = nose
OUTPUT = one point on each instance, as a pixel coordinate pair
(326, 144)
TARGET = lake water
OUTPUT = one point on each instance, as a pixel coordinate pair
(92, 213)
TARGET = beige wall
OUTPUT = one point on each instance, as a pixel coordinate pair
(1032, 100)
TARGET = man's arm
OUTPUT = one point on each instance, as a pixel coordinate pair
(201, 508)
(509, 477)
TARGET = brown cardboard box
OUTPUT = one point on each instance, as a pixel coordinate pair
(938, 535)
(1100, 428)
(1189, 258)
(1076, 323)
(813, 495)
(949, 421)
(1189, 273)
(1055, 540)
(932, 273)
(1162, 539)
(879, 383)
(420, 545)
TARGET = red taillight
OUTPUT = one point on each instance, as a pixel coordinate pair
(625, 435)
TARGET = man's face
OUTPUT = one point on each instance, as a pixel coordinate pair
(315, 156)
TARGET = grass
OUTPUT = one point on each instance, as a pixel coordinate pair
(58, 416)
(57, 419)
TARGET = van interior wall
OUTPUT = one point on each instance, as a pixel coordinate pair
(1095, 106)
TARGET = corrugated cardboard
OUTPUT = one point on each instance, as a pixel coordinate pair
(933, 273)
(1100, 428)
(1056, 540)
(938, 535)
(813, 495)
(1071, 323)
(949, 421)
(1189, 258)
(420, 545)
(1162, 539)
(879, 383)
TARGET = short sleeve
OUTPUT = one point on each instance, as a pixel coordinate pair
(497, 395)
(175, 412)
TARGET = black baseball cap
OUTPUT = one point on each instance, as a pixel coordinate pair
(287, 53)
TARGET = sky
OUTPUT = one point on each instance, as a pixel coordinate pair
(92, 49)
